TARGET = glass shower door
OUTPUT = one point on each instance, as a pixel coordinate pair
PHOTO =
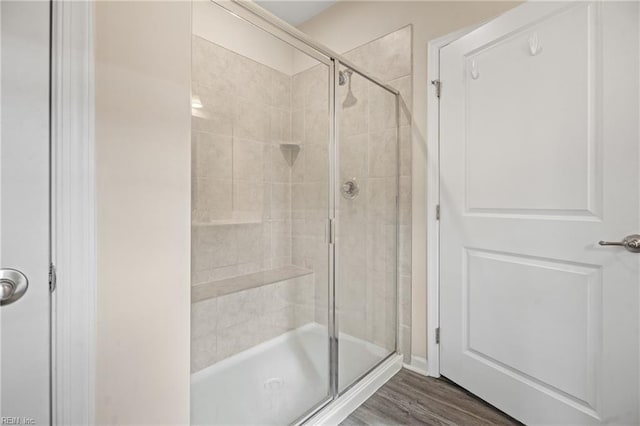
(367, 218)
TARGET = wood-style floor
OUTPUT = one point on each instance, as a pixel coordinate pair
(411, 399)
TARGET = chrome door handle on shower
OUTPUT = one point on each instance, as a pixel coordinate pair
(630, 242)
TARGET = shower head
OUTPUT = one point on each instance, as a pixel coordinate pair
(343, 76)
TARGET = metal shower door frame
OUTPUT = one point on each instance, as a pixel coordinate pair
(338, 62)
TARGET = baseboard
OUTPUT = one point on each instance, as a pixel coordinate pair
(336, 412)
(418, 365)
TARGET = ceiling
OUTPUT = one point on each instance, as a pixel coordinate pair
(295, 12)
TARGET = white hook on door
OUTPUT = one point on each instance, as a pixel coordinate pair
(535, 46)
(473, 67)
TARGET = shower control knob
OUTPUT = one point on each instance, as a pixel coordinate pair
(350, 189)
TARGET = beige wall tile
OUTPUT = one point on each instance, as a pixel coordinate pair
(317, 199)
(298, 90)
(317, 85)
(205, 120)
(214, 246)
(382, 200)
(251, 80)
(237, 308)
(316, 124)
(267, 253)
(382, 109)
(299, 165)
(211, 155)
(276, 296)
(376, 234)
(250, 243)
(280, 124)
(392, 55)
(204, 351)
(248, 198)
(213, 98)
(281, 90)
(305, 315)
(280, 201)
(383, 153)
(248, 160)
(279, 322)
(210, 65)
(281, 239)
(251, 120)
(280, 167)
(211, 199)
(238, 337)
(317, 164)
(204, 317)
(354, 157)
(297, 125)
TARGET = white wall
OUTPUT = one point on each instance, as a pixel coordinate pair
(349, 24)
(215, 24)
(143, 161)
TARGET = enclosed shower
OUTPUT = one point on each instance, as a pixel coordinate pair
(295, 184)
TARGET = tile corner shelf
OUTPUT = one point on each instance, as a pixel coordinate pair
(209, 290)
(291, 150)
(290, 145)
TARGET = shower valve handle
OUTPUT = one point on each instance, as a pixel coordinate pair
(350, 189)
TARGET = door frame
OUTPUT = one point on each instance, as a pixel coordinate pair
(433, 195)
(73, 211)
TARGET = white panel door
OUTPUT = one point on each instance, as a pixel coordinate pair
(24, 210)
(539, 161)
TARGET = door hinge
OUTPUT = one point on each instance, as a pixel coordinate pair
(53, 281)
(438, 86)
(438, 212)
(438, 335)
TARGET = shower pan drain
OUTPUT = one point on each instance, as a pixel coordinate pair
(274, 384)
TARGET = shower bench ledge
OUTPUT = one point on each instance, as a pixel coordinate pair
(204, 291)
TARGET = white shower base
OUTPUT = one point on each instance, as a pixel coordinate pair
(276, 382)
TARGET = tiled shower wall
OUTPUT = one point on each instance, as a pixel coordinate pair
(223, 326)
(241, 204)
(366, 234)
(241, 192)
(258, 206)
